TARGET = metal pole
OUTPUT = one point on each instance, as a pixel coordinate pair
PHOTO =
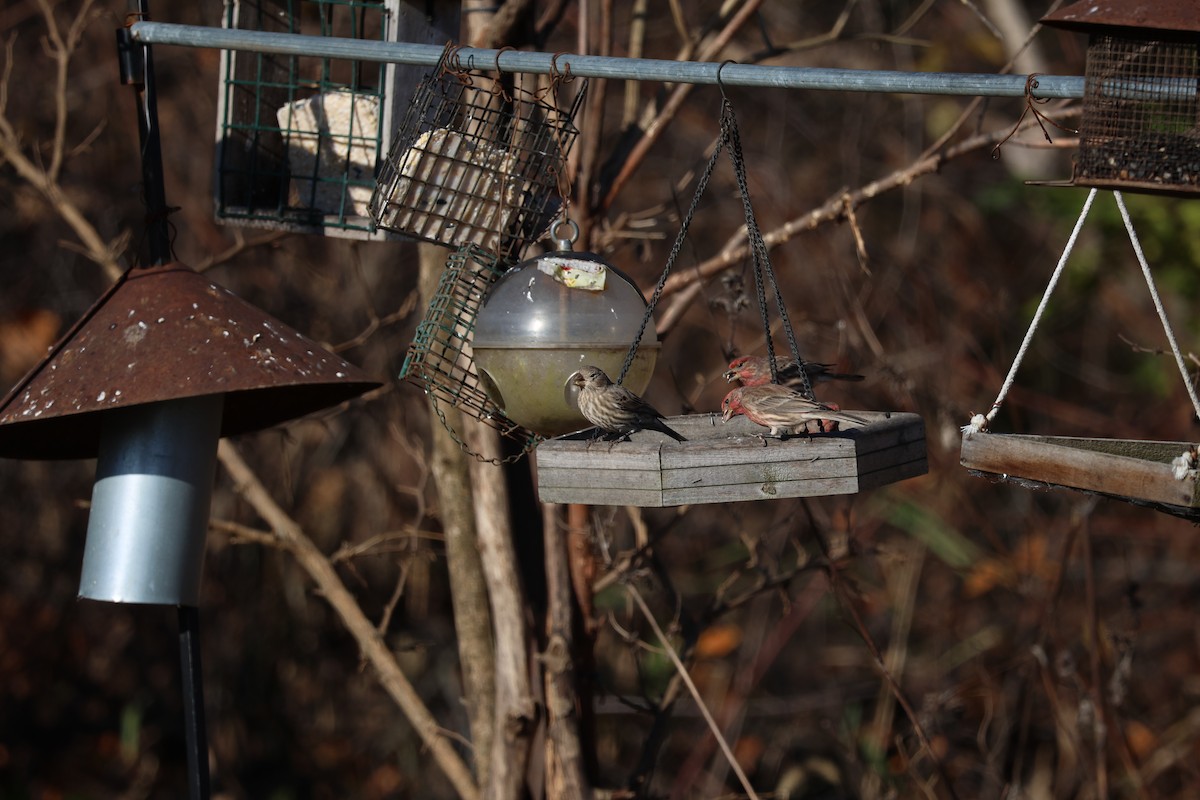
(193, 703)
(137, 69)
(641, 69)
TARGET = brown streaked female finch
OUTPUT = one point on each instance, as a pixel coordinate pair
(614, 409)
(785, 411)
(756, 371)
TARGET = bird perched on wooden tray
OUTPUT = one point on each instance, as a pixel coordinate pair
(756, 371)
(785, 411)
(614, 409)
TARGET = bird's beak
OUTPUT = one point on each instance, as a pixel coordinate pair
(576, 378)
(730, 375)
(727, 414)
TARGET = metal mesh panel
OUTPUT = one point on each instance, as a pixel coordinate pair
(299, 137)
(1140, 115)
(475, 163)
(439, 359)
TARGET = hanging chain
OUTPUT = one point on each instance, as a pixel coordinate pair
(763, 271)
(529, 444)
(701, 185)
(761, 258)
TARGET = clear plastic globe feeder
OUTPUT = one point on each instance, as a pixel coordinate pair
(546, 318)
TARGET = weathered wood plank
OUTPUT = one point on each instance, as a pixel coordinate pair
(757, 472)
(898, 454)
(567, 455)
(724, 462)
(611, 479)
(893, 473)
(601, 496)
(767, 490)
(1125, 468)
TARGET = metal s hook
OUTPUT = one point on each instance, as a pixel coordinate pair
(498, 88)
(501, 52)
(558, 76)
(720, 83)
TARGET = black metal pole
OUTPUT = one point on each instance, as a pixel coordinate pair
(193, 702)
(137, 69)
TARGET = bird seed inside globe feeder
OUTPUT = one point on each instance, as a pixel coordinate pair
(546, 318)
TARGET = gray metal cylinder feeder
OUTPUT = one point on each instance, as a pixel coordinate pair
(154, 373)
(150, 502)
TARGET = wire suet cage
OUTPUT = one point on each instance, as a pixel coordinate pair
(440, 359)
(1140, 129)
(299, 137)
(478, 160)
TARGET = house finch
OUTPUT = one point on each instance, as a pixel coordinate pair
(756, 370)
(614, 409)
(783, 410)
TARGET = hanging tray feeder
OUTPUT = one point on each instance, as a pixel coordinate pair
(723, 462)
(726, 462)
(1159, 474)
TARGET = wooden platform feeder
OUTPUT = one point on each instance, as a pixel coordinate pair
(1137, 471)
(725, 462)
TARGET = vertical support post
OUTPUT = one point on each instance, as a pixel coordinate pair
(193, 703)
(137, 70)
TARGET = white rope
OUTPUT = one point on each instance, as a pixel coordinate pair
(979, 422)
(1162, 314)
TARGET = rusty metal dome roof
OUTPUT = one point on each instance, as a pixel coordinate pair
(165, 333)
(1096, 15)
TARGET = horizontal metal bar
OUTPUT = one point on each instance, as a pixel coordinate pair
(639, 69)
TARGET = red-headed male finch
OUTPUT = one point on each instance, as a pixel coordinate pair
(785, 411)
(756, 371)
(614, 409)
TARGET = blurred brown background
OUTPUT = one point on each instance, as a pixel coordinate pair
(1012, 617)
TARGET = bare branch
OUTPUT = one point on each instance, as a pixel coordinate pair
(240, 245)
(832, 210)
(687, 679)
(46, 180)
(655, 129)
(292, 538)
(61, 50)
(4, 78)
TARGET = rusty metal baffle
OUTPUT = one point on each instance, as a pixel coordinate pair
(148, 379)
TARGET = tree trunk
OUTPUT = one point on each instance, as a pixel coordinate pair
(515, 708)
(472, 616)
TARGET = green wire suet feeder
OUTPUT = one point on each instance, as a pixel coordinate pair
(299, 138)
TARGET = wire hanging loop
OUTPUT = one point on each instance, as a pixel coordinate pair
(498, 87)
(450, 64)
(1031, 104)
